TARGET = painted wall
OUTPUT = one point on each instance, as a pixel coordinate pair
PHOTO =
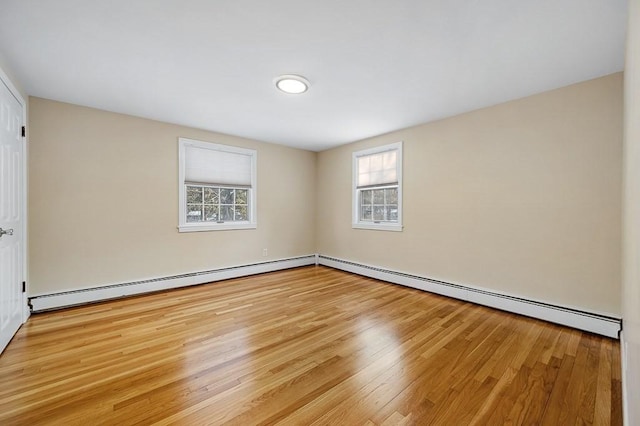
(103, 201)
(522, 198)
(631, 224)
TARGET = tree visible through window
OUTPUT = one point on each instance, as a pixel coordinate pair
(379, 205)
(216, 204)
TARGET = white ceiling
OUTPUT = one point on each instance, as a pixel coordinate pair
(374, 65)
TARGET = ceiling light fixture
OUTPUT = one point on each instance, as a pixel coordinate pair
(292, 84)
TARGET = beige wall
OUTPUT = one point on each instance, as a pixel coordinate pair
(631, 224)
(522, 198)
(103, 200)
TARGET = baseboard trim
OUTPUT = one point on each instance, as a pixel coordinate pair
(52, 301)
(596, 323)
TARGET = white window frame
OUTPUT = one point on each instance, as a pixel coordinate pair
(357, 223)
(183, 225)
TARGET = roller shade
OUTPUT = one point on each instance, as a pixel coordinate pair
(378, 169)
(216, 167)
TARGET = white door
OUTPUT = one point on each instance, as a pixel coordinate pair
(11, 215)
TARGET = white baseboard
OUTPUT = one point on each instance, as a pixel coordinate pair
(45, 302)
(596, 323)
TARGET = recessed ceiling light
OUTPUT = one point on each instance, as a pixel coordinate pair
(292, 84)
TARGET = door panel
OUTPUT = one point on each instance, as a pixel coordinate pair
(11, 215)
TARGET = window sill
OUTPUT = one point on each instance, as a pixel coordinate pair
(198, 227)
(378, 226)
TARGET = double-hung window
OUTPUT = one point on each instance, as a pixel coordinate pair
(217, 186)
(377, 188)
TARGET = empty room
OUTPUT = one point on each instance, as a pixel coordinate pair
(320, 212)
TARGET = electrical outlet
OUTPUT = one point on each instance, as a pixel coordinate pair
(264, 252)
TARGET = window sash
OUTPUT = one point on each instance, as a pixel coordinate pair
(216, 208)
(382, 199)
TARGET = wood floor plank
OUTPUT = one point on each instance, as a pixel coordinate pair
(602, 409)
(556, 402)
(309, 345)
(616, 386)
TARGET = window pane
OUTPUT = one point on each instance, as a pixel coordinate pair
(378, 212)
(194, 194)
(211, 195)
(365, 213)
(366, 196)
(378, 196)
(211, 213)
(391, 195)
(226, 196)
(241, 213)
(392, 213)
(194, 213)
(241, 196)
(226, 213)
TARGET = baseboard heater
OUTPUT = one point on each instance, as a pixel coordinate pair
(596, 323)
(593, 322)
(47, 302)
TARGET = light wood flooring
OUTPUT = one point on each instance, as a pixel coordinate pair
(304, 346)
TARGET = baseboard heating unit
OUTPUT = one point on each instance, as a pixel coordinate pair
(605, 325)
(593, 322)
(46, 302)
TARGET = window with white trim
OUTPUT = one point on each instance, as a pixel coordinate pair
(217, 186)
(377, 188)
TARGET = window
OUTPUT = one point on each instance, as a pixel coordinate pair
(377, 188)
(217, 186)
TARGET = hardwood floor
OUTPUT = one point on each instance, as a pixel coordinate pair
(304, 346)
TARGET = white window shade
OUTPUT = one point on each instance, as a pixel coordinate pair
(378, 169)
(217, 167)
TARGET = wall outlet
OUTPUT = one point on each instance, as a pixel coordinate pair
(264, 252)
